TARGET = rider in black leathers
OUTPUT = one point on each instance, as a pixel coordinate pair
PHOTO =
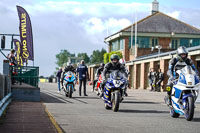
(111, 66)
(175, 64)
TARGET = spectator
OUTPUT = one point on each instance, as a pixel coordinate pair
(151, 77)
(82, 72)
(160, 78)
(58, 75)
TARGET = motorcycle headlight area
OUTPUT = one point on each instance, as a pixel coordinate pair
(117, 83)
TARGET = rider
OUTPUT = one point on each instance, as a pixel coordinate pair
(69, 67)
(123, 62)
(109, 67)
(98, 72)
(175, 64)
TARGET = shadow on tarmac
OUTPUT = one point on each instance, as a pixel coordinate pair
(51, 98)
(142, 111)
(139, 102)
(196, 120)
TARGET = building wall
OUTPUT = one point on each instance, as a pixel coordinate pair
(164, 42)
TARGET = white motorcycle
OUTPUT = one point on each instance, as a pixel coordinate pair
(184, 93)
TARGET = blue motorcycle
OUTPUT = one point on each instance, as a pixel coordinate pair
(113, 90)
(69, 83)
(184, 93)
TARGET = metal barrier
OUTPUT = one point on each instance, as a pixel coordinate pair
(5, 92)
(4, 103)
(25, 74)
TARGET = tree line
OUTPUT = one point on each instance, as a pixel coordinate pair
(96, 57)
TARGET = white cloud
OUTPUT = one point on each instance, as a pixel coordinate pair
(175, 14)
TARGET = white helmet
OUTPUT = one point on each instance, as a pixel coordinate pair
(69, 63)
(122, 61)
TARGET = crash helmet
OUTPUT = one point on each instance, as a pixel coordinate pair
(180, 51)
(114, 57)
(122, 61)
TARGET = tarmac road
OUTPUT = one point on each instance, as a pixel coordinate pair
(141, 112)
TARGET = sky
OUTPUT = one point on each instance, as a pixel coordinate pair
(82, 25)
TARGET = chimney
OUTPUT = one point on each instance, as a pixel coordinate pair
(155, 7)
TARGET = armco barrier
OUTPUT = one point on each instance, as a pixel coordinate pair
(5, 92)
(4, 103)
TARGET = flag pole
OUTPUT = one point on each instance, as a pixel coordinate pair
(135, 32)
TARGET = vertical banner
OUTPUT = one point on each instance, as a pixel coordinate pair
(18, 49)
(26, 35)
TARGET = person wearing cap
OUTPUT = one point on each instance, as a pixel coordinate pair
(82, 72)
(58, 75)
(177, 63)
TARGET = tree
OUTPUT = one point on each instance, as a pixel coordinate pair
(62, 57)
(85, 57)
(97, 56)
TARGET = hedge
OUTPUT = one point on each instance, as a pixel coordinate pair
(108, 55)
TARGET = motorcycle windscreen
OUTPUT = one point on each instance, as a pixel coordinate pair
(116, 75)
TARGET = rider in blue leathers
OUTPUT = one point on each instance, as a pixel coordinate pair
(175, 64)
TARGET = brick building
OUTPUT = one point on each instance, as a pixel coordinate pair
(157, 30)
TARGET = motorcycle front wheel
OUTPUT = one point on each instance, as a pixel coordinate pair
(189, 109)
(115, 101)
(70, 91)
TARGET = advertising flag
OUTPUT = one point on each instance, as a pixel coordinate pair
(26, 35)
(18, 49)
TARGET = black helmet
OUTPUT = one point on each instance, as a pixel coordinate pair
(182, 50)
(114, 56)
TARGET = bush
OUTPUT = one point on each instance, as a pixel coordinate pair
(108, 55)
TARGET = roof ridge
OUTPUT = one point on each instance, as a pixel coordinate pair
(180, 21)
(140, 21)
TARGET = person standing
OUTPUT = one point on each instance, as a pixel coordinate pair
(160, 78)
(58, 75)
(82, 72)
(151, 77)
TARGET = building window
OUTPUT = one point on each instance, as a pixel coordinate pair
(175, 43)
(117, 45)
(184, 42)
(121, 44)
(142, 42)
(154, 42)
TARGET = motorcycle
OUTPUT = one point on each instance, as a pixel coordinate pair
(113, 90)
(69, 84)
(184, 93)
